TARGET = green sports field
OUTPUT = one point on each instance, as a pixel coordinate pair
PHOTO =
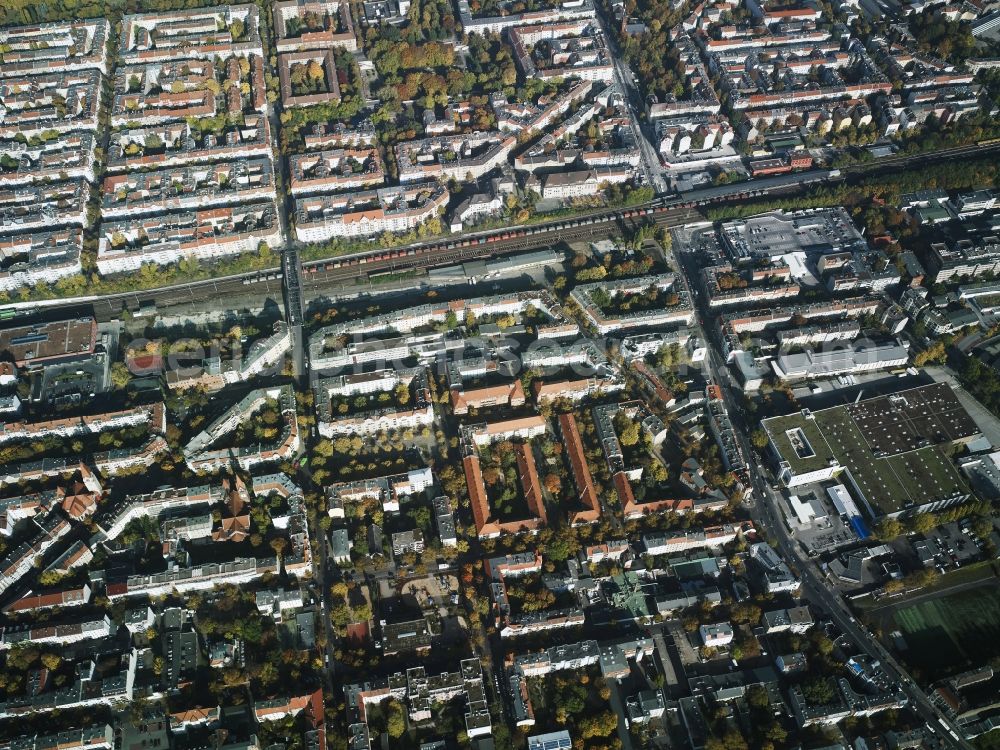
(953, 632)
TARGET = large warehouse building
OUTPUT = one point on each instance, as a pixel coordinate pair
(889, 450)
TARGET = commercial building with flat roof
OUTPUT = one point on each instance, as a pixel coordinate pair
(859, 357)
(550, 741)
(48, 343)
(888, 450)
(814, 232)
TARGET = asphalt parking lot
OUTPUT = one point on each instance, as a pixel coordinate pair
(951, 546)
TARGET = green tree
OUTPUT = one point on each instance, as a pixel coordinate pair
(888, 528)
(120, 375)
(921, 523)
(630, 435)
(982, 527)
(818, 692)
(757, 697)
(934, 354)
(395, 720)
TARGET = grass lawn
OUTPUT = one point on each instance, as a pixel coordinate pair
(953, 632)
(988, 741)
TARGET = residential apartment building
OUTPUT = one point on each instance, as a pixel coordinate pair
(452, 157)
(333, 170)
(564, 11)
(388, 490)
(190, 34)
(336, 27)
(365, 213)
(680, 311)
(963, 258)
(683, 541)
(208, 234)
(56, 47)
(190, 187)
(40, 256)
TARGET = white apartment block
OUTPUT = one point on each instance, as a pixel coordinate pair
(384, 351)
(520, 117)
(337, 31)
(575, 49)
(554, 151)
(362, 214)
(127, 148)
(683, 541)
(387, 489)
(152, 415)
(453, 157)
(266, 353)
(716, 634)
(332, 170)
(125, 244)
(68, 157)
(490, 432)
(55, 47)
(576, 390)
(184, 34)
(200, 456)
(581, 182)
(111, 522)
(21, 559)
(191, 187)
(362, 383)
(56, 634)
(51, 255)
(110, 463)
(89, 689)
(369, 423)
(213, 374)
(567, 10)
(340, 136)
(148, 94)
(237, 413)
(680, 313)
(643, 344)
(97, 737)
(275, 601)
(547, 354)
(13, 510)
(29, 103)
(200, 578)
(40, 207)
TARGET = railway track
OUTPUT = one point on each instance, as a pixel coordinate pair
(317, 274)
(488, 244)
(665, 211)
(361, 266)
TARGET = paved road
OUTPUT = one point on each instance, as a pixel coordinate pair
(651, 166)
(617, 705)
(295, 312)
